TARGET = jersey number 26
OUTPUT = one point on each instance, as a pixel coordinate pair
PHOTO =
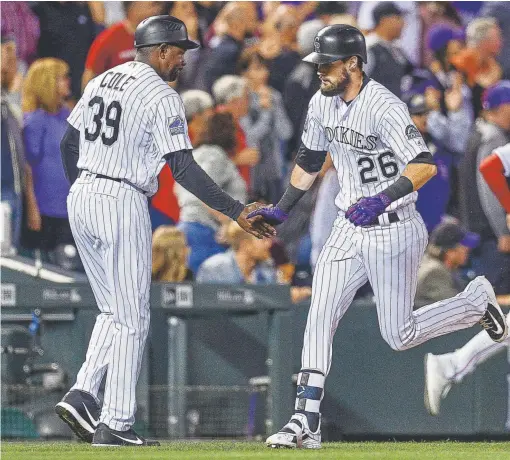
(112, 120)
(388, 167)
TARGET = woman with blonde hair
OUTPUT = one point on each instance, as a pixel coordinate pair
(45, 90)
(169, 255)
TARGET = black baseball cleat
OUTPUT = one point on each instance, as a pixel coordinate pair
(80, 411)
(493, 320)
(494, 323)
(106, 437)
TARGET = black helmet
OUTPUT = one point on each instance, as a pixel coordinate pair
(157, 30)
(337, 42)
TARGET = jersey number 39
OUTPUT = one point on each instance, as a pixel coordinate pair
(112, 121)
(368, 171)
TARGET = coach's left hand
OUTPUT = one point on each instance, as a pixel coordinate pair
(366, 210)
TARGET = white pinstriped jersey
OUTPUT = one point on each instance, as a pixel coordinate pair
(129, 119)
(504, 155)
(370, 140)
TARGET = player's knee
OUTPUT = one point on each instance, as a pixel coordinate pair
(398, 341)
(398, 345)
(395, 344)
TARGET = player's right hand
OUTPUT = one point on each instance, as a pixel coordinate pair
(255, 224)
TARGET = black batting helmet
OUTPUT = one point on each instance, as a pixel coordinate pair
(337, 42)
(157, 30)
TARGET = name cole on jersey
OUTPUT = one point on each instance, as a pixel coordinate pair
(130, 119)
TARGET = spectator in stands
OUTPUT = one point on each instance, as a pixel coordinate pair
(115, 45)
(45, 90)
(447, 96)
(186, 12)
(107, 13)
(169, 256)
(286, 271)
(11, 77)
(231, 95)
(324, 11)
(434, 196)
(409, 41)
(267, 127)
(19, 22)
(450, 123)
(445, 42)
(198, 222)
(495, 170)
(67, 31)
(198, 107)
(481, 212)
(301, 85)
(279, 47)
(207, 12)
(386, 62)
(17, 184)
(236, 24)
(477, 61)
(247, 261)
(433, 14)
(439, 276)
(348, 19)
(501, 12)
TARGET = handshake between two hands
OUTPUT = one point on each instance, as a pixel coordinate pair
(259, 219)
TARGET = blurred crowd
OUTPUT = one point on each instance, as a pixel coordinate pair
(245, 93)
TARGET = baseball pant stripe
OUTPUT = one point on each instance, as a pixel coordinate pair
(93, 369)
(337, 278)
(112, 227)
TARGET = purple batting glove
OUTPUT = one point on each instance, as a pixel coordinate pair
(366, 210)
(273, 215)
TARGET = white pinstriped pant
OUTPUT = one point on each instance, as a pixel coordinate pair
(388, 256)
(111, 226)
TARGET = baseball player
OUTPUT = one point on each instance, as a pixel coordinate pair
(127, 124)
(442, 371)
(381, 161)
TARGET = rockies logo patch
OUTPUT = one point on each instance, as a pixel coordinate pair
(317, 45)
(414, 135)
(412, 132)
(176, 125)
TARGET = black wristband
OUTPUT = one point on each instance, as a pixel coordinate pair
(289, 199)
(400, 188)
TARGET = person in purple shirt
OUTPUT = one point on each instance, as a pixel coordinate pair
(45, 90)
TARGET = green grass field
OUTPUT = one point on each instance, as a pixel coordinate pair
(210, 450)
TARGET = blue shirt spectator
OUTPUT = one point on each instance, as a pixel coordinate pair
(224, 269)
(46, 87)
(248, 261)
(43, 133)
